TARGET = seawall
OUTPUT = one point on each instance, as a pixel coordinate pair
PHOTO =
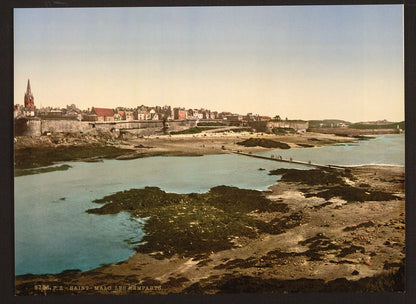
(268, 126)
(37, 127)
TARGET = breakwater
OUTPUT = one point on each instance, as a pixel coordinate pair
(292, 161)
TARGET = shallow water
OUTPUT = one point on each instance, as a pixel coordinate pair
(54, 233)
(384, 149)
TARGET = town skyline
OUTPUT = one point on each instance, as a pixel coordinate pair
(21, 109)
(321, 62)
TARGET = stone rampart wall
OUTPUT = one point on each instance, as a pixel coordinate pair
(36, 127)
(297, 126)
(267, 126)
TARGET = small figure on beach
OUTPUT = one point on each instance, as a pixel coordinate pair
(291, 159)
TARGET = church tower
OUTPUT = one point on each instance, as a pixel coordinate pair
(29, 99)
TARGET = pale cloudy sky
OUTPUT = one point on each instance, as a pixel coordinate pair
(306, 62)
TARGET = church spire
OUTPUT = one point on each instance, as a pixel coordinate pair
(28, 91)
(29, 99)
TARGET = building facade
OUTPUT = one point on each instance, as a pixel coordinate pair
(103, 114)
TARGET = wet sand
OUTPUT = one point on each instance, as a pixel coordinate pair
(330, 245)
(35, 152)
(211, 143)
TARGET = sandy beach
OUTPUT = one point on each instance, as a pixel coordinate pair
(213, 143)
(33, 152)
(327, 244)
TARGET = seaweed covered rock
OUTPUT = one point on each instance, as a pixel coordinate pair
(333, 184)
(353, 194)
(384, 282)
(262, 142)
(196, 224)
(313, 177)
(32, 157)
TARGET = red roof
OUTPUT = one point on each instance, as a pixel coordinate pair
(103, 112)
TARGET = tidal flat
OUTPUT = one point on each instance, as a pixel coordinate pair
(22, 172)
(195, 224)
(36, 152)
(287, 239)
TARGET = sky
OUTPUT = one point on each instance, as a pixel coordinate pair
(301, 62)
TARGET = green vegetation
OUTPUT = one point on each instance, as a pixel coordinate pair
(312, 177)
(21, 172)
(262, 142)
(197, 224)
(283, 131)
(26, 158)
(194, 130)
(210, 124)
(236, 130)
(374, 126)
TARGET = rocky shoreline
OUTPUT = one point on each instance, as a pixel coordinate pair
(296, 239)
(37, 152)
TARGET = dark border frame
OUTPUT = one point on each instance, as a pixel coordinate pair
(6, 160)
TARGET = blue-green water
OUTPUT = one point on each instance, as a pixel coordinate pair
(53, 232)
(384, 149)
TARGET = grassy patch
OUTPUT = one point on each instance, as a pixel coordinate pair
(386, 126)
